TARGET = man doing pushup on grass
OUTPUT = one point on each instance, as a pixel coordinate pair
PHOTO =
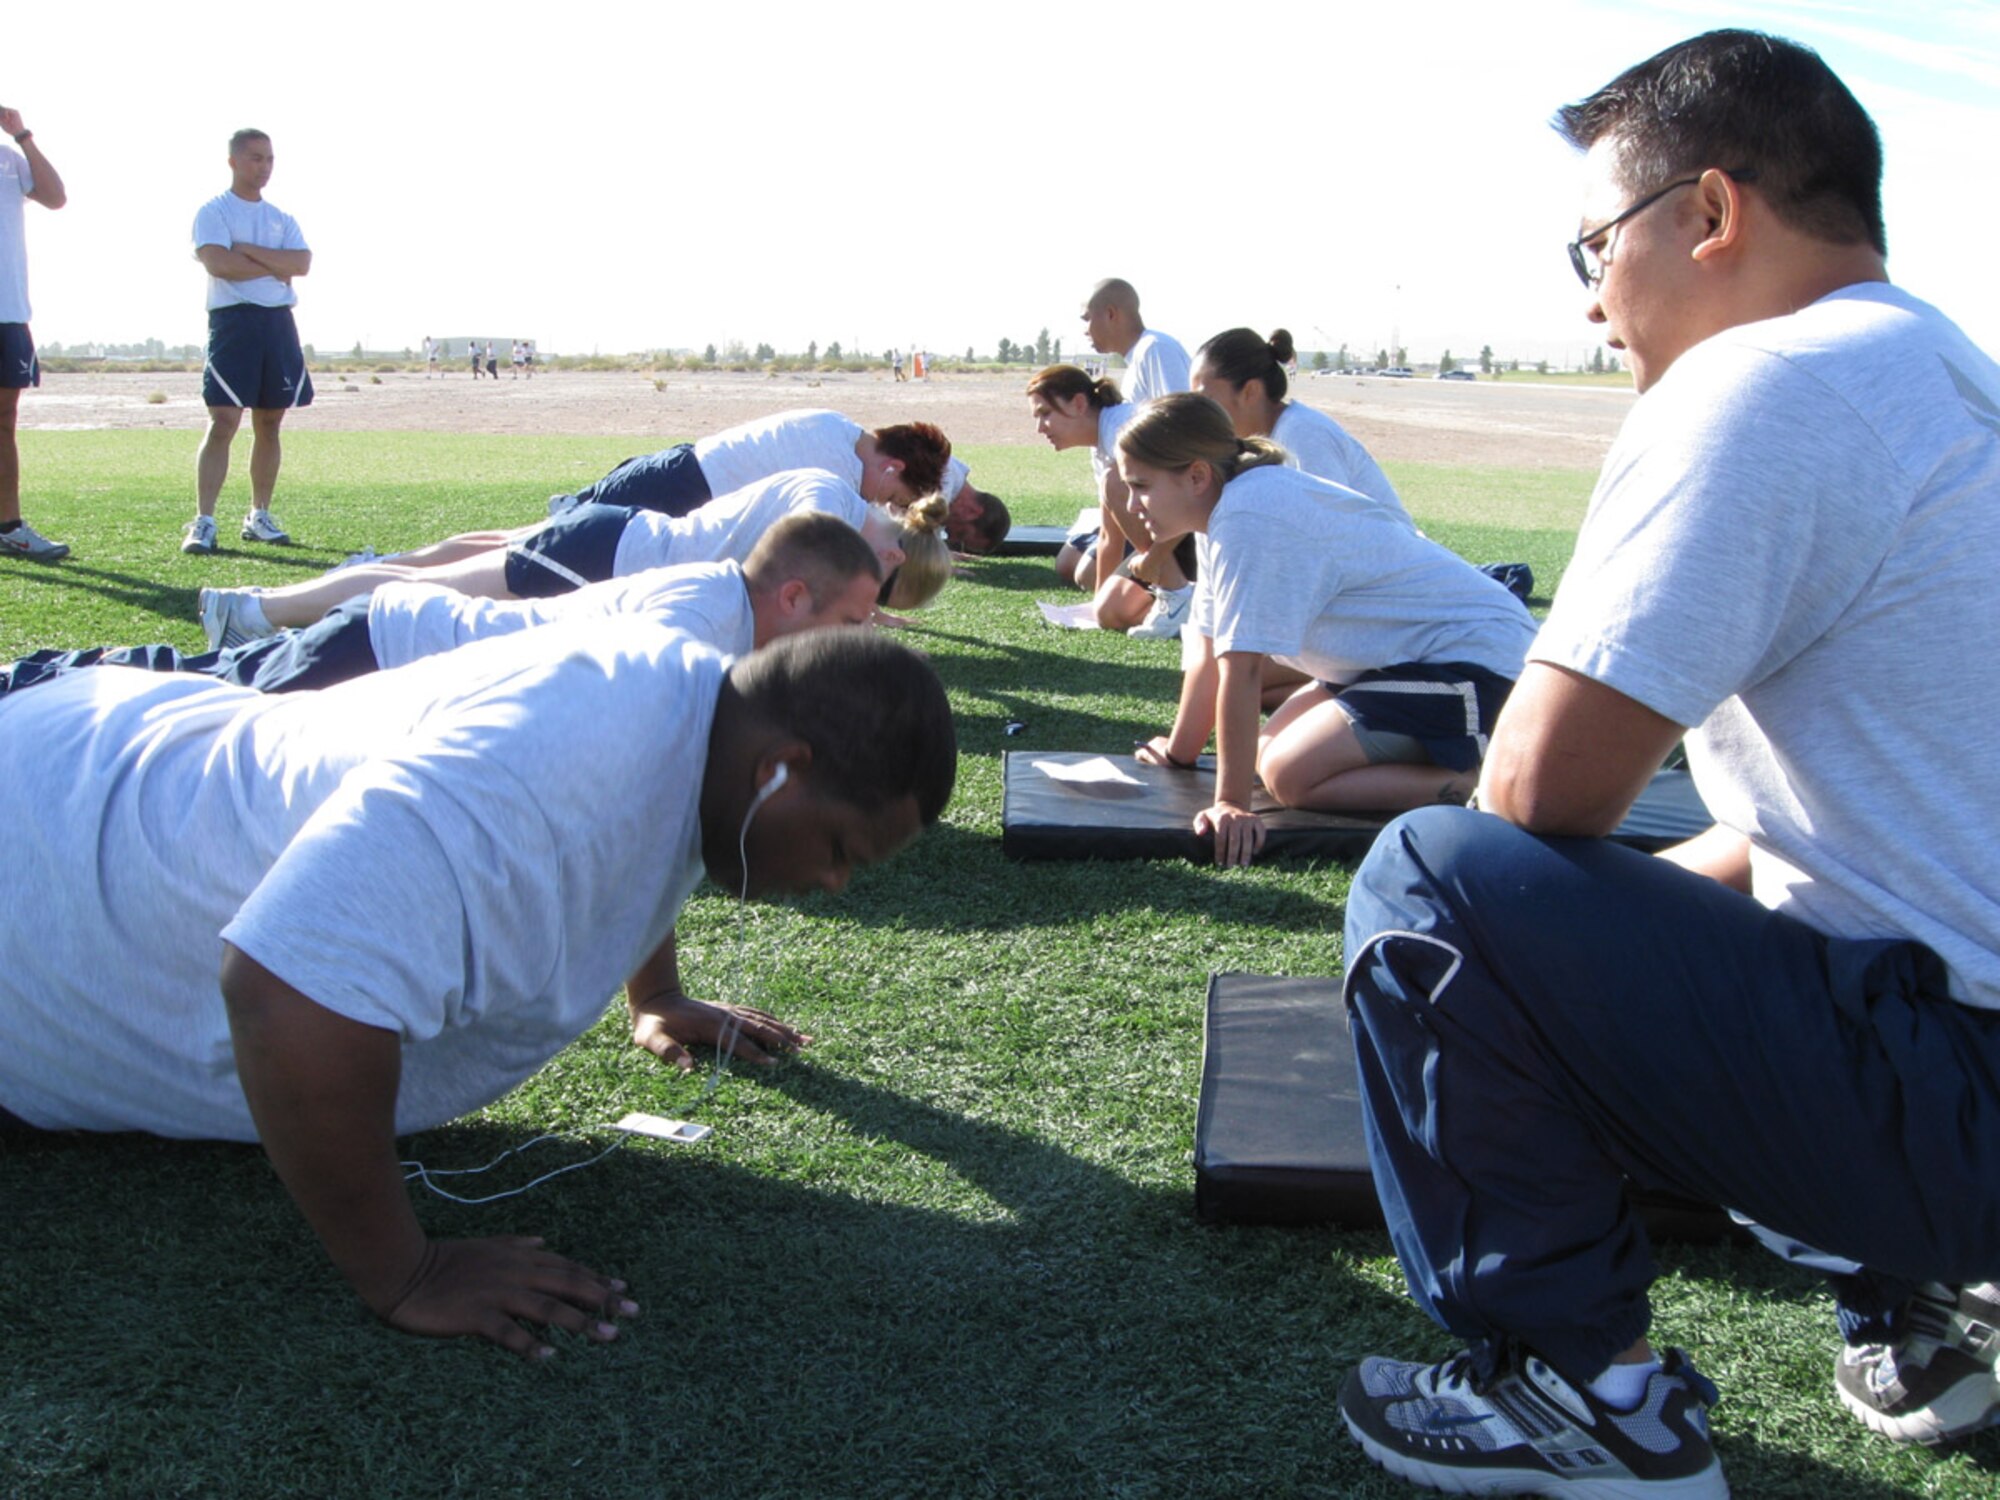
(413, 901)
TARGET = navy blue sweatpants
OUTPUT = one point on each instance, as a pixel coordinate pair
(332, 649)
(1538, 1020)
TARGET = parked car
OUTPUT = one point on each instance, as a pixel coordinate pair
(1456, 375)
(1397, 372)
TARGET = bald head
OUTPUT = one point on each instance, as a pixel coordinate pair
(1111, 318)
(1116, 292)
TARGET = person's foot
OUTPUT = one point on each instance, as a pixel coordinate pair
(25, 541)
(1941, 1381)
(230, 617)
(200, 535)
(262, 526)
(1169, 612)
(1526, 1430)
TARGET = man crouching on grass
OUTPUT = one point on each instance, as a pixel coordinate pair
(1790, 553)
(415, 902)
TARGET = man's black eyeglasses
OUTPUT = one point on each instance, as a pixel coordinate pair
(1589, 266)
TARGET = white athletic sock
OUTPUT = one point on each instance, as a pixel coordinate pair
(251, 613)
(1622, 1387)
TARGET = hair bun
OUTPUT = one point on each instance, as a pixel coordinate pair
(1282, 350)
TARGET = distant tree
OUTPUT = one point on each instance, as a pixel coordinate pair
(308, 351)
(1055, 358)
(969, 355)
(1612, 365)
(1541, 367)
(1026, 352)
(833, 350)
(1005, 354)
(1042, 347)
(708, 355)
(764, 352)
(812, 352)
(1486, 359)
(1514, 365)
(1446, 364)
(1381, 359)
(1340, 359)
(356, 351)
(1402, 356)
(1319, 360)
(1597, 360)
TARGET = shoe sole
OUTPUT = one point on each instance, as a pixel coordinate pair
(275, 541)
(1972, 1405)
(1708, 1484)
(54, 554)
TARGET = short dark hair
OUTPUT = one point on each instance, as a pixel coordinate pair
(1241, 355)
(873, 712)
(994, 520)
(822, 551)
(246, 134)
(1743, 100)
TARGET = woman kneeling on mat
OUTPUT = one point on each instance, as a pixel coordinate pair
(595, 542)
(1410, 650)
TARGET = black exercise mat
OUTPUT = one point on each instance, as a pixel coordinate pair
(1043, 818)
(1031, 541)
(1278, 1137)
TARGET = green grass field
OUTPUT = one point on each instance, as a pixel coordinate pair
(952, 1252)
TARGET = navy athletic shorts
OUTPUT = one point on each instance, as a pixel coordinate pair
(254, 360)
(18, 368)
(669, 481)
(1447, 707)
(569, 550)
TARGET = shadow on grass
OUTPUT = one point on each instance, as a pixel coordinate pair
(955, 880)
(126, 588)
(1006, 1318)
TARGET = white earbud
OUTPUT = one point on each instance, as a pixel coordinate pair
(778, 778)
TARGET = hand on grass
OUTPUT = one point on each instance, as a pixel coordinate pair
(491, 1288)
(666, 1025)
(1239, 832)
(888, 621)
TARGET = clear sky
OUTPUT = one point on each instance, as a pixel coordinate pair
(615, 177)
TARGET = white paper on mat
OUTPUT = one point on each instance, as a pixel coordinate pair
(1069, 616)
(1097, 771)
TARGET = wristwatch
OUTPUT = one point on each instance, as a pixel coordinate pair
(23, 137)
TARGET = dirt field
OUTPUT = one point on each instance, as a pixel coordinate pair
(1515, 422)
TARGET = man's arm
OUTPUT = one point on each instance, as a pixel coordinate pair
(1570, 755)
(322, 1090)
(226, 264)
(48, 189)
(283, 264)
(666, 1022)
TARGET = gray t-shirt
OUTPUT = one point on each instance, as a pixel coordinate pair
(728, 528)
(1156, 366)
(1794, 546)
(407, 849)
(409, 621)
(1328, 580)
(756, 450)
(1321, 446)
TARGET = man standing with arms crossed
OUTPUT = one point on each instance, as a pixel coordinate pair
(25, 175)
(251, 250)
